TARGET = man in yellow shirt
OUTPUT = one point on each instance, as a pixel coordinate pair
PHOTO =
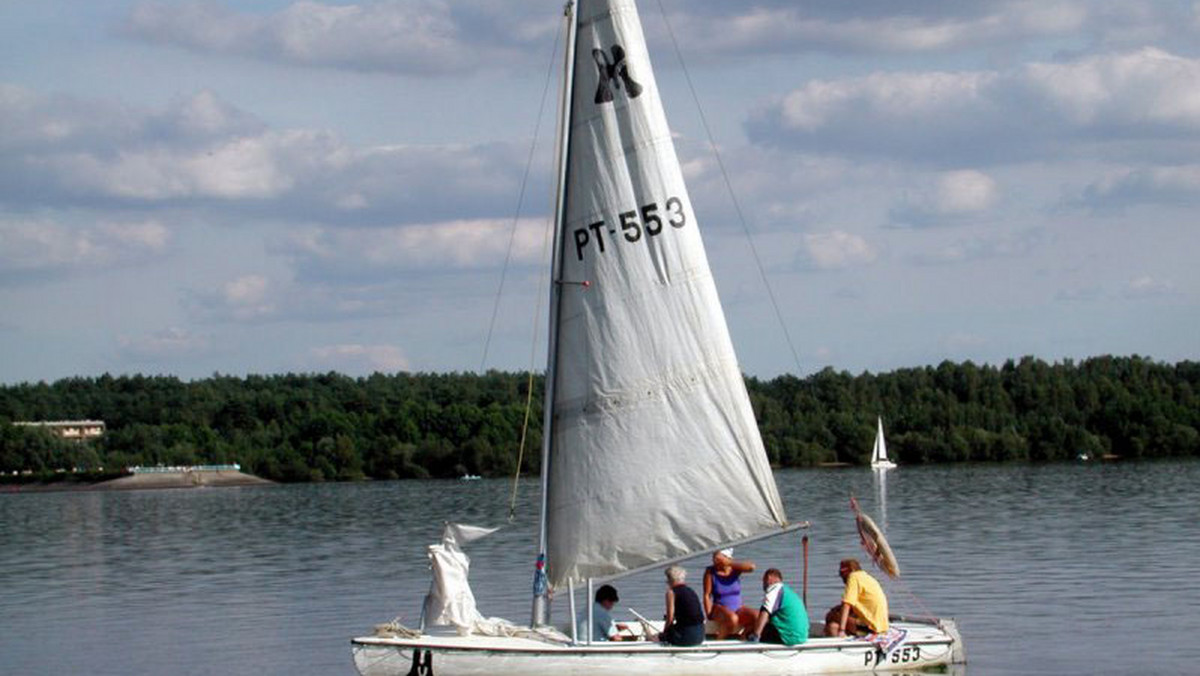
(864, 607)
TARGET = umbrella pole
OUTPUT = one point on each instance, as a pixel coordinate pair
(804, 546)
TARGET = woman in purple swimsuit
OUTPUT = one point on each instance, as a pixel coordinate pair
(723, 595)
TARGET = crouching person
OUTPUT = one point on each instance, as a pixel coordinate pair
(864, 607)
(782, 618)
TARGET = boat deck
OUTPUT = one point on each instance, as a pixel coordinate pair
(925, 646)
(918, 634)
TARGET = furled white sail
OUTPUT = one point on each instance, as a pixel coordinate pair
(655, 450)
(450, 600)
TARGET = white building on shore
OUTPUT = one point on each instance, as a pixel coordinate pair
(74, 430)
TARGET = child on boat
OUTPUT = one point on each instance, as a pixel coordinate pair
(606, 629)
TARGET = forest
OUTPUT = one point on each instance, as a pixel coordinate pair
(331, 427)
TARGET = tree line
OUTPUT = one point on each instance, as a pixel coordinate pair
(321, 427)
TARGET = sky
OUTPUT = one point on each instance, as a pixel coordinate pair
(200, 187)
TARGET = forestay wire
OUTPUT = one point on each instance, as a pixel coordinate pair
(512, 235)
(512, 507)
(729, 186)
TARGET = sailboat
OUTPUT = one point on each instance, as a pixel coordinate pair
(651, 452)
(879, 456)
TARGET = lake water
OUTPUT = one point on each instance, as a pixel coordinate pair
(1061, 569)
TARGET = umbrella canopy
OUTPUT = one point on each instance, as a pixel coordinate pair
(874, 543)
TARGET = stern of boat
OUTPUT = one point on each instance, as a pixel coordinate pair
(958, 652)
(376, 660)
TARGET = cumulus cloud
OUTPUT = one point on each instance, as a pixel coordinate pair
(1177, 184)
(787, 189)
(882, 27)
(58, 151)
(40, 247)
(1125, 23)
(1146, 286)
(963, 192)
(170, 344)
(199, 117)
(258, 299)
(963, 341)
(954, 197)
(354, 358)
(834, 250)
(438, 37)
(57, 148)
(41, 123)
(1086, 294)
(419, 37)
(1038, 110)
(243, 168)
(246, 298)
(1139, 288)
(786, 27)
(392, 251)
(1004, 245)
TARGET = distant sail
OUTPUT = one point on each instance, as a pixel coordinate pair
(879, 459)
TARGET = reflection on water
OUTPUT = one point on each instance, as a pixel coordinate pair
(880, 476)
(1063, 569)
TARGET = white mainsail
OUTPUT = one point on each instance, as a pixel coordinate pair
(655, 452)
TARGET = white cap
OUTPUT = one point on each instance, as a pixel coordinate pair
(727, 552)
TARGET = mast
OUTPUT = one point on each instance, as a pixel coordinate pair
(541, 610)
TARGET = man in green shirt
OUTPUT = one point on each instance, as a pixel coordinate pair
(782, 617)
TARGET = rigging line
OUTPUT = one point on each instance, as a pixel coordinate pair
(913, 597)
(737, 207)
(537, 314)
(512, 236)
(512, 502)
(533, 345)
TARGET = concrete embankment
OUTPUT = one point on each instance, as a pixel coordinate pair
(183, 478)
(187, 478)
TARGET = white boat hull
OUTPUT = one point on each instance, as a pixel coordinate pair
(927, 646)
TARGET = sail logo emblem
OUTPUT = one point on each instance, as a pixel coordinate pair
(613, 73)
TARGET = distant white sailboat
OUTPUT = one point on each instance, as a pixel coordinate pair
(651, 452)
(879, 456)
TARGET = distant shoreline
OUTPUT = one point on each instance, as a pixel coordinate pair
(186, 478)
(300, 428)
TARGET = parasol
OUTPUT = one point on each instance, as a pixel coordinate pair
(874, 543)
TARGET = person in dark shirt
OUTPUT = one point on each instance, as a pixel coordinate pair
(685, 615)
